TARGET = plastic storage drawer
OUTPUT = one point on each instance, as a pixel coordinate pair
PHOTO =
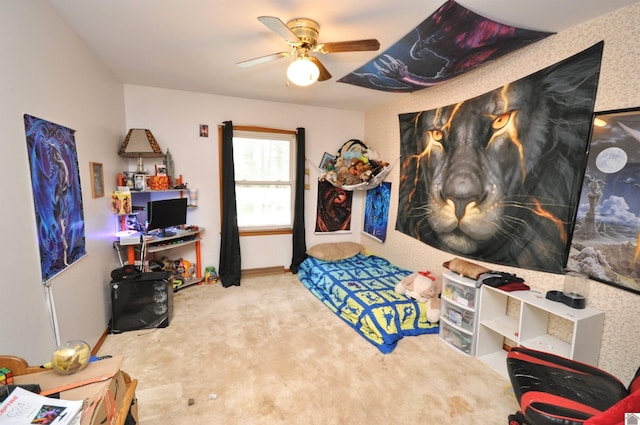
(459, 316)
(459, 293)
(457, 338)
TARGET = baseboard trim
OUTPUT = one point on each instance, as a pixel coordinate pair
(262, 271)
(98, 345)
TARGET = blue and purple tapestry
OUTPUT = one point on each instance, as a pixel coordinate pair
(57, 195)
(376, 211)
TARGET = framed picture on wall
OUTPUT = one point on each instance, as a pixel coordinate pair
(606, 238)
(327, 158)
(97, 180)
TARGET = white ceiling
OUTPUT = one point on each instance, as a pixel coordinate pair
(194, 45)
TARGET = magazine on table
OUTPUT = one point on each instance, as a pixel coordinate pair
(24, 407)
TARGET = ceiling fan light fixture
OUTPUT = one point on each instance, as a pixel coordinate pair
(303, 72)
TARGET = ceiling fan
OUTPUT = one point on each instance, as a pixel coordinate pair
(302, 36)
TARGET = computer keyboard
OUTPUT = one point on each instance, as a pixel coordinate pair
(175, 241)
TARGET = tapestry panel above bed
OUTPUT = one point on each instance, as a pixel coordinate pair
(360, 290)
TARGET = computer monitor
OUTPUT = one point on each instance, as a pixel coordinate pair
(166, 213)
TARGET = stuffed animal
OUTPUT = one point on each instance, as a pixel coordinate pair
(423, 288)
(167, 265)
(183, 268)
(345, 177)
(355, 164)
(353, 148)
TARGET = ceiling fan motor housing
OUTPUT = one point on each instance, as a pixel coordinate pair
(306, 29)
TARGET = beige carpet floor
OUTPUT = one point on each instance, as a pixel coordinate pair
(268, 352)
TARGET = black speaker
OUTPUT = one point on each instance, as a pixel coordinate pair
(142, 302)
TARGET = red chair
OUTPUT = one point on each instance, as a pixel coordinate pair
(554, 390)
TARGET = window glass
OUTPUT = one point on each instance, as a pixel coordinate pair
(260, 159)
(263, 206)
(264, 179)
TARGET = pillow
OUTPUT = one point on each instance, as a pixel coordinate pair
(465, 268)
(335, 251)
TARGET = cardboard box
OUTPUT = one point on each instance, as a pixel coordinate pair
(133, 410)
(105, 409)
(101, 385)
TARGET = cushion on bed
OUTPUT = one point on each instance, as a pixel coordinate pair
(335, 251)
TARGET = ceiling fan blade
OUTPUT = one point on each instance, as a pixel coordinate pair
(263, 59)
(324, 73)
(279, 27)
(349, 46)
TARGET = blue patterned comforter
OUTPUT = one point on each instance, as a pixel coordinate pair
(360, 290)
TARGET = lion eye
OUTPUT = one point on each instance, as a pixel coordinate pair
(436, 135)
(433, 143)
(501, 121)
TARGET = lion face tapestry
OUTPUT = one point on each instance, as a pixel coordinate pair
(497, 177)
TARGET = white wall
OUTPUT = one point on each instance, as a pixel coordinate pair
(174, 118)
(619, 87)
(49, 73)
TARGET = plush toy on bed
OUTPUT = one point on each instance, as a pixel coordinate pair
(423, 288)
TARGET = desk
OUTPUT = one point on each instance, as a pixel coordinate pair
(183, 237)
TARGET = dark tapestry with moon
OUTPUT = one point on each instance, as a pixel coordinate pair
(606, 239)
(450, 42)
(497, 177)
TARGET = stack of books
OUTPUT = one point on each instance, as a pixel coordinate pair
(23, 407)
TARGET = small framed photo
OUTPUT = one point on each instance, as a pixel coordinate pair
(128, 178)
(161, 170)
(204, 130)
(327, 159)
(97, 179)
(139, 182)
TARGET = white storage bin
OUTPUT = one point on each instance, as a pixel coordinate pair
(457, 338)
(459, 316)
(458, 323)
(462, 294)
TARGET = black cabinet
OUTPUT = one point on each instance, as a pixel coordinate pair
(141, 301)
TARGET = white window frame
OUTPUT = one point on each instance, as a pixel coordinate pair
(270, 134)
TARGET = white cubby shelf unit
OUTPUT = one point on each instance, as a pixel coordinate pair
(530, 327)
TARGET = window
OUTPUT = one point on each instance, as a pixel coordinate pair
(264, 162)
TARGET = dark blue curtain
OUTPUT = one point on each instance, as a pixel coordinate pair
(299, 243)
(230, 261)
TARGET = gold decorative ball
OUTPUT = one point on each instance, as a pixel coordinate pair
(71, 357)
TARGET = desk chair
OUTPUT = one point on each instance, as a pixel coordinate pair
(18, 365)
(553, 390)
